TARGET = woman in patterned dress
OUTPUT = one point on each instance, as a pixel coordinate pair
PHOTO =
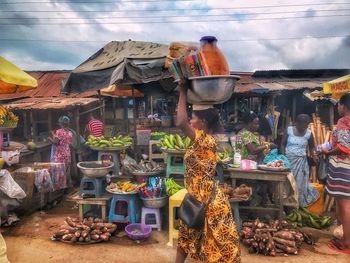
(218, 241)
(62, 139)
(338, 179)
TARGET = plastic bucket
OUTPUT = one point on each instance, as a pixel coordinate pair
(317, 207)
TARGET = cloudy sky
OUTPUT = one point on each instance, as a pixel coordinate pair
(253, 34)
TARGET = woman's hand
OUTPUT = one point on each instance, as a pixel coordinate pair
(272, 145)
(183, 85)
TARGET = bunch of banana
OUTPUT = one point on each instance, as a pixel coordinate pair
(175, 142)
(103, 142)
(7, 118)
(172, 187)
(224, 157)
(127, 186)
(303, 217)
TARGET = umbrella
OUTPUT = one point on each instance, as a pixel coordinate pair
(337, 87)
(13, 79)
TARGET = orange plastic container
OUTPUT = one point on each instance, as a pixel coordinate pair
(317, 207)
(214, 58)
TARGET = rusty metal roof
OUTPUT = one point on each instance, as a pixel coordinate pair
(50, 103)
(49, 85)
(272, 85)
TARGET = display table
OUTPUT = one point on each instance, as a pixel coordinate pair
(276, 177)
(102, 201)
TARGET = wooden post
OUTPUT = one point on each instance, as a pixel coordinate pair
(114, 107)
(49, 120)
(33, 128)
(126, 112)
(134, 117)
(77, 126)
(25, 125)
(294, 108)
(236, 110)
(331, 116)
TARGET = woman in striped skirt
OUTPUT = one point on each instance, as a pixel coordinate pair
(338, 181)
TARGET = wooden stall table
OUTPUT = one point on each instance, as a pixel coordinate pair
(101, 201)
(277, 177)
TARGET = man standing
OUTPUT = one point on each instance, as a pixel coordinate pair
(95, 127)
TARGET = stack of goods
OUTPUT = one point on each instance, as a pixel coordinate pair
(192, 65)
(208, 61)
(155, 188)
(7, 118)
(241, 193)
(320, 132)
(123, 188)
(91, 230)
(145, 167)
(179, 49)
(114, 142)
(175, 142)
(172, 187)
(303, 217)
(275, 238)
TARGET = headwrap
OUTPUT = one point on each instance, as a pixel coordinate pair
(64, 119)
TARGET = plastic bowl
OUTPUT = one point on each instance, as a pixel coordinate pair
(138, 231)
(155, 202)
(94, 168)
(211, 89)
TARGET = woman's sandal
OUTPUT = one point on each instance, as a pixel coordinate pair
(336, 245)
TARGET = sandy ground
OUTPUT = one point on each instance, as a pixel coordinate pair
(30, 242)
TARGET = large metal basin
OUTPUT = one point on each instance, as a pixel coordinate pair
(211, 89)
(94, 168)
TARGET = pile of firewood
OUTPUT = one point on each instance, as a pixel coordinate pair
(276, 238)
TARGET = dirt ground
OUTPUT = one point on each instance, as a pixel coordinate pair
(30, 242)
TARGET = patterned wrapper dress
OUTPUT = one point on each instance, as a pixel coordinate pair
(338, 180)
(218, 241)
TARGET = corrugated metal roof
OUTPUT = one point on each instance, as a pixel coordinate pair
(47, 103)
(49, 85)
(271, 85)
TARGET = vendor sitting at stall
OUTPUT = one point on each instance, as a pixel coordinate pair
(252, 147)
(94, 127)
(248, 142)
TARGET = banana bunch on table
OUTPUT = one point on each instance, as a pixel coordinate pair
(103, 142)
(7, 118)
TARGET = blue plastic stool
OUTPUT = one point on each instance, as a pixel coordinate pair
(92, 186)
(116, 160)
(235, 211)
(124, 209)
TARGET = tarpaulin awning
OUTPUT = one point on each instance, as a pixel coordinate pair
(125, 62)
(337, 86)
(13, 79)
(115, 91)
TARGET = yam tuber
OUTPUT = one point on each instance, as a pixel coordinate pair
(289, 250)
(284, 234)
(281, 241)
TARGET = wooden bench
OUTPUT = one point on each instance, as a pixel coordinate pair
(101, 201)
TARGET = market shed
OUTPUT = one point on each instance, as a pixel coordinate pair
(283, 89)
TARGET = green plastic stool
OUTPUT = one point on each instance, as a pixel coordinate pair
(175, 165)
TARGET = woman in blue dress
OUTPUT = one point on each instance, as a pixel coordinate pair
(294, 146)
